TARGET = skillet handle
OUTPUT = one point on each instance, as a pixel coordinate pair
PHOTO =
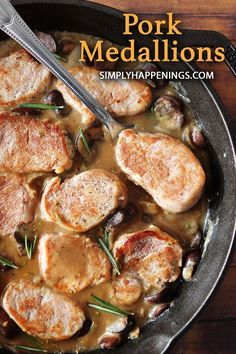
(213, 39)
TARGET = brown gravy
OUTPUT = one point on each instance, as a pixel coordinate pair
(182, 226)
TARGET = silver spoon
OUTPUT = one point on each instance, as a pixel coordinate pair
(12, 24)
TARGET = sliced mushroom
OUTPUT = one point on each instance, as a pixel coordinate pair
(196, 240)
(194, 138)
(127, 289)
(85, 329)
(169, 108)
(165, 295)
(146, 218)
(55, 97)
(197, 138)
(109, 340)
(22, 231)
(158, 310)
(95, 132)
(123, 324)
(121, 217)
(19, 243)
(66, 46)
(191, 261)
(48, 40)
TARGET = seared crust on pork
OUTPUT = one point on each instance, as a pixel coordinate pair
(72, 263)
(163, 166)
(83, 201)
(31, 145)
(119, 97)
(41, 312)
(17, 203)
(152, 254)
(22, 78)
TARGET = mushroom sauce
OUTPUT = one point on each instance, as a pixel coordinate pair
(186, 226)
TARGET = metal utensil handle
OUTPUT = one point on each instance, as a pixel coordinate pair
(12, 24)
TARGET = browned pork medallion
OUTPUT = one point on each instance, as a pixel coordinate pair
(96, 235)
(72, 263)
(22, 78)
(17, 203)
(41, 312)
(152, 256)
(84, 200)
(162, 165)
(121, 98)
(30, 145)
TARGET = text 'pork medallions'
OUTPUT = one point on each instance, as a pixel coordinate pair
(83, 201)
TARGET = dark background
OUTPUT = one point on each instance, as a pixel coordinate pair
(215, 330)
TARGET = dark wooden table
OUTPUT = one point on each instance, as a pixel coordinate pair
(215, 330)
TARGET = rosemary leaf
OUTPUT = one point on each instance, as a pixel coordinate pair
(81, 133)
(27, 248)
(32, 340)
(5, 262)
(34, 244)
(59, 57)
(30, 246)
(40, 350)
(109, 255)
(106, 309)
(40, 106)
(106, 238)
(104, 303)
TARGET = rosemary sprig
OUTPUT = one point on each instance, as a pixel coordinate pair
(81, 134)
(107, 307)
(59, 57)
(39, 350)
(106, 237)
(108, 304)
(32, 340)
(109, 255)
(40, 106)
(30, 246)
(5, 262)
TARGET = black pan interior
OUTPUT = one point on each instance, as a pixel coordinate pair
(83, 16)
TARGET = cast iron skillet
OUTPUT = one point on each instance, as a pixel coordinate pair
(86, 17)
